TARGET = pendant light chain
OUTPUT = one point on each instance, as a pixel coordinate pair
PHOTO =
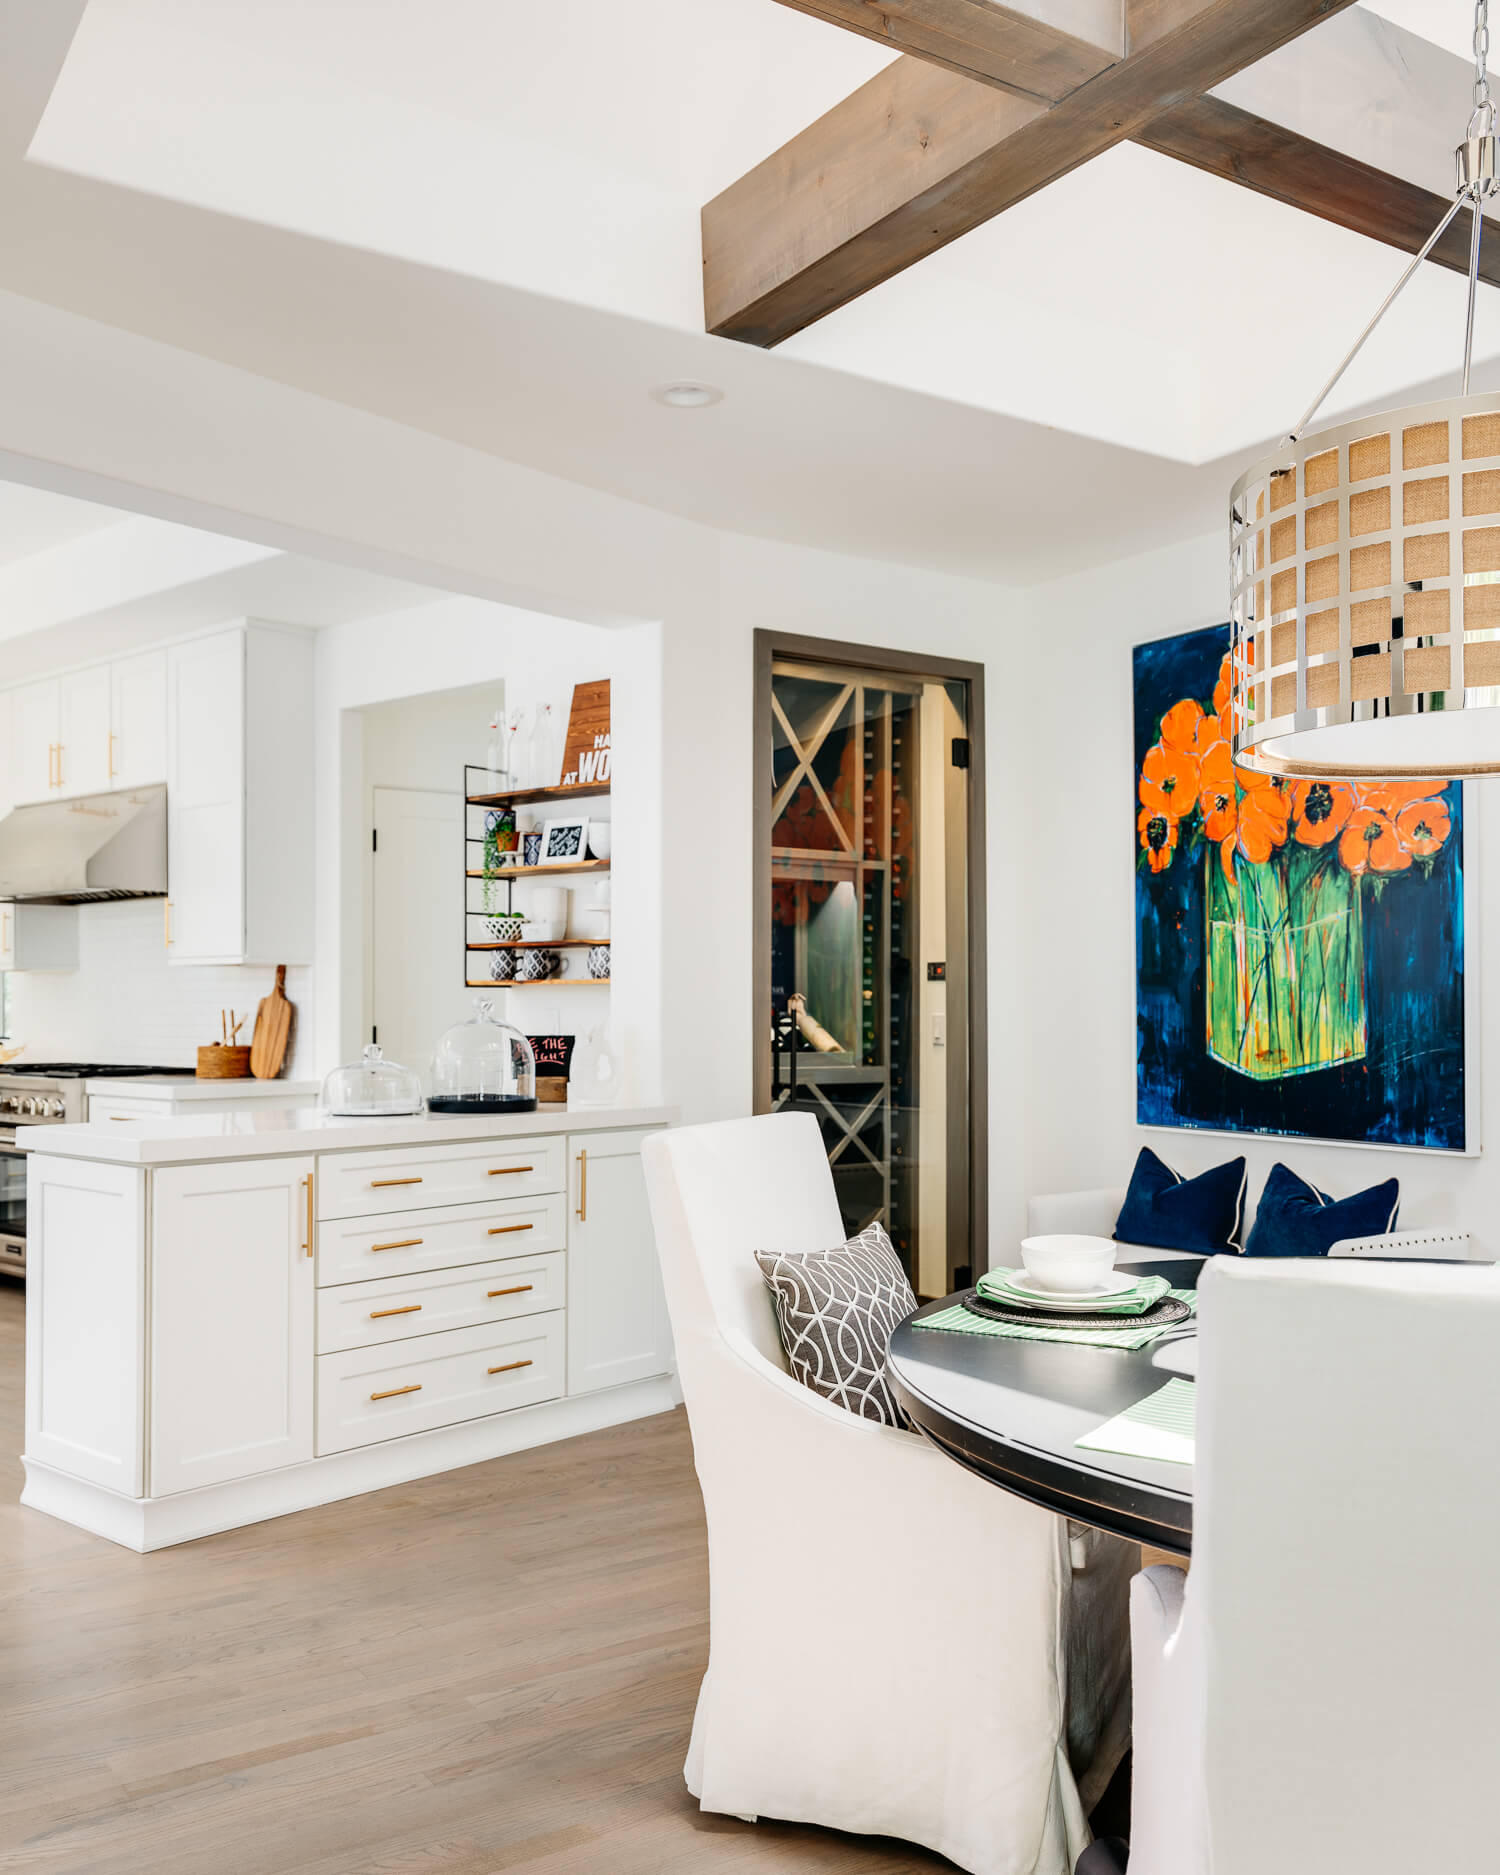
(1477, 181)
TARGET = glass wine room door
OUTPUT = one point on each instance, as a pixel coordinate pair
(866, 838)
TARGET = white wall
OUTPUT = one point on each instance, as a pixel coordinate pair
(1078, 910)
(424, 741)
(126, 1003)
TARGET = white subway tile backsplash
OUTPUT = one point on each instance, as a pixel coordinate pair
(125, 1002)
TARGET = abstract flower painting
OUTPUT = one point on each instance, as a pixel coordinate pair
(1299, 944)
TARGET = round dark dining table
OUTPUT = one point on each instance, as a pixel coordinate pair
(1012, 1411)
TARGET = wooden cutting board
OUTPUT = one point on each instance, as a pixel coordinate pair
(273, 1024)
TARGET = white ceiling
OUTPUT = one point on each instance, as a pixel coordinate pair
(480, 219)
(32, 520)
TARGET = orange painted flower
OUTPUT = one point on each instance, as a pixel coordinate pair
(1389, 797)
(1169, 781)
(1423, 826)
(1264, 810)
(1158, 837)
(1226, 856)
(1179, 727)
(1216, 793)
(1369, 843)
(1320, 810)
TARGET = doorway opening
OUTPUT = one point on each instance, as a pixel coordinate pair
(869, 941)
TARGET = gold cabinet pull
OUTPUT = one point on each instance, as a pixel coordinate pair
(392, 1392)
(401, 1243)
(166, 906)
(307, 1242)
(412, 1308)
(509, 1367)
(520, 1289)
(507, 1230)
(379, 1184)
(124, 1119)
(111, 755)
(583, 1188)
(509, 1171)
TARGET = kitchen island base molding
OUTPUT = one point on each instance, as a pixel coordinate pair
(144, 1524)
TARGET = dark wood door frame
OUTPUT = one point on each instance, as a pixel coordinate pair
(769, 645)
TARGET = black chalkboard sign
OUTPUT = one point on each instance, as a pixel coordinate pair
(553, 1053)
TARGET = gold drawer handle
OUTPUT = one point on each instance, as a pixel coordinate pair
(506, 1230)
(125, 1119)
(392, 1393)
(401, 1243)
(520, 1289)
(379, 1184)
(509, 1171)
(412, 1308)
(509, 1367)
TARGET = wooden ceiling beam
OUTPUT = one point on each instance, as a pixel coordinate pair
(1041, 48)
(888, 177)
(1292, 168)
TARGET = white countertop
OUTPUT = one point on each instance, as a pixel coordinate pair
(189, 1087)
(262, 1133)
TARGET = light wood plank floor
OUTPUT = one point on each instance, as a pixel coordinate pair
(492, 1670)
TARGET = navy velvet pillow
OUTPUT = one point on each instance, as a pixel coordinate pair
(1169, 1212)
(1295, 1219)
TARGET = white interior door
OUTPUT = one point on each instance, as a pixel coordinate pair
(417, 962)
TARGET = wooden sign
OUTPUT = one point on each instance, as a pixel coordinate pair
(553, 1053)
(586, 756)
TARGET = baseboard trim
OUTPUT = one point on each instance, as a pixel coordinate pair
(151, 1523)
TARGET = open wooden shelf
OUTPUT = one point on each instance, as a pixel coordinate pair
(537, 872)
(542, 983)
(524, 797)
(531, 944)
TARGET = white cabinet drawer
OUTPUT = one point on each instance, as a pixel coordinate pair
(402, 1243)
(370, 1394)
(357, 1184)
(362, 1315)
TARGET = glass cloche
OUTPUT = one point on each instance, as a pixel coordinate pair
(483, 1066)
(371, 1087)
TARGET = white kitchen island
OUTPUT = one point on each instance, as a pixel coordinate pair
(234, 1316)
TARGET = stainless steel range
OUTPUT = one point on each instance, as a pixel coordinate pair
(45, 1093)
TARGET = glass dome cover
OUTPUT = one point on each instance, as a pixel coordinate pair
(483, 1066)
(372, 1086)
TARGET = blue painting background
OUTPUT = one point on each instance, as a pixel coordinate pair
(1409, 1090)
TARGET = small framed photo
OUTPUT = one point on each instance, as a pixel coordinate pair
(564, 841)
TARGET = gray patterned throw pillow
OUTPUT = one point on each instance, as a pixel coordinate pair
(836, 1310)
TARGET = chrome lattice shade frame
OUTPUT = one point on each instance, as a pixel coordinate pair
(1365, 582)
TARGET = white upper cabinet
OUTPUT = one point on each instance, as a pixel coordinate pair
(36, 731)
(138, 720)
(239, 798)
(83, 745)
(9, 755)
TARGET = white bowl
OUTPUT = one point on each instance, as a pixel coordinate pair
(1071, 1266)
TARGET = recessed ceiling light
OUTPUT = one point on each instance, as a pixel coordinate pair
(688, 396)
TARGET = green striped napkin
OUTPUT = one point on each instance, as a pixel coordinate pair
(959, 1321)
(1160, 1426)
(999, 1286)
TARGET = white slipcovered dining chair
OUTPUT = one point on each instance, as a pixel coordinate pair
(896, 1647)
(1318, 1697)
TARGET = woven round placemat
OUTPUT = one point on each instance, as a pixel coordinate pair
(1165, 1314)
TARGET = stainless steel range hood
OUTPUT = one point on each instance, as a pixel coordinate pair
(99, 846)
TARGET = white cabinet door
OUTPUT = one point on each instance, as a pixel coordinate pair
(83, 745)
(617, 1313)
(85, 1306)
(9, 762)
(35, 726)
(138, 720)
(206, 800)
(232, 1312)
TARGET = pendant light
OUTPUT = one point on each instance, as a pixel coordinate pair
(1365, 564)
